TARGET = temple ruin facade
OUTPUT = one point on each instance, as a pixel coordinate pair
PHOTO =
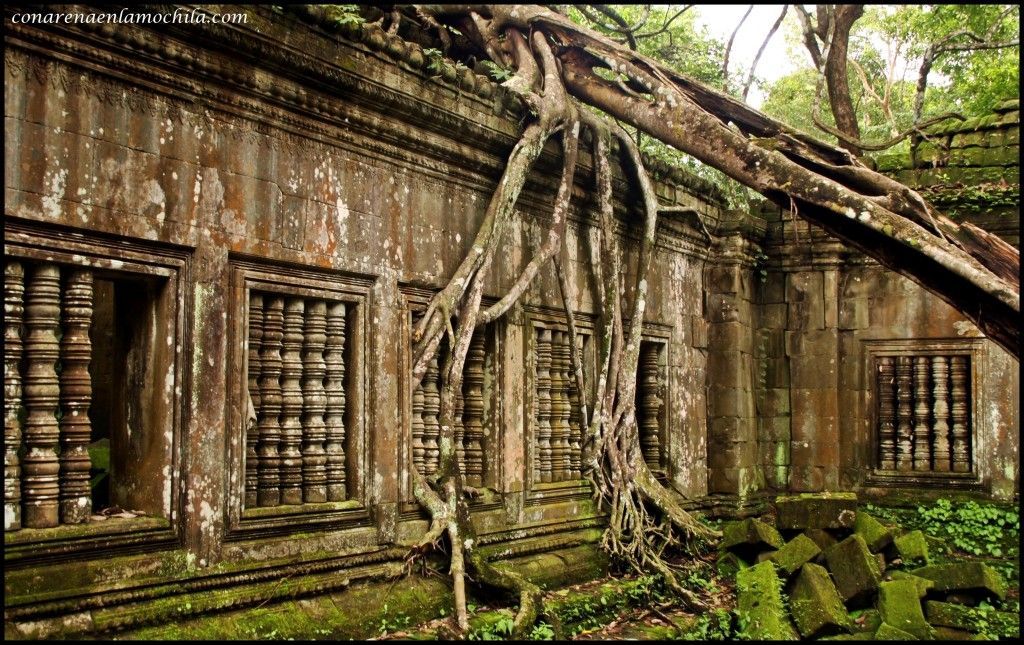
(218, 236)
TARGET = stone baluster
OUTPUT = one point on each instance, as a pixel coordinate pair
(543, 443)
(649, 406)
(922, 412)
(40, 464)
(291, 402)
(458, 427)
(431, 425)
(886, 414)
(268, 492)
(254, 371)
(575, 423)
(473, 416)
(314, 403)
(961, 428)
(417, 428)
(559, 410)
(940, 414)
(14, 307)
(568, 384)
(75, 398)
(334, 415)
(904, 414)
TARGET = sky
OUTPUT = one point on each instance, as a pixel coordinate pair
(720, 20)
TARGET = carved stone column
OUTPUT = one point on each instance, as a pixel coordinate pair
(269, 478)
(431, 425)
(314, 403)
(922, 442)
(649, 406)
(75, 398)
(886, 414)
(559, 408)
(959, 373)
(940, 414)
(904, 414)
(40, 487)
(254, 370)
(543, 443)
(14, 289)
(473, 413)
(334, 415)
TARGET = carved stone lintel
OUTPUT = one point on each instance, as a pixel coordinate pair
(14, 290)
(75, 398)
(40, 466)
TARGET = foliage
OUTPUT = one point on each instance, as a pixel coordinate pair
(394, 623)
(713, 626)
(888, 44)
(980, 529)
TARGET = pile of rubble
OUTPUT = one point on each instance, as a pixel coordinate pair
(850, 577)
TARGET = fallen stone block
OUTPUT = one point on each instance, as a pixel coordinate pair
(951, 634)
(900, 607)
(887, 632)
(815, 604)
(822, 538)
(760, 606)
(911, 548)
(816, 511)
(975, 578)
(749, 537)
(875, 534)
(795, 553)
(923, 584)
(859, 636)
(987, 620)
(729, 564)
(854, 569)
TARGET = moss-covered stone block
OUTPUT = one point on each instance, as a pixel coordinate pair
(875, 534)
(729, 564)
(815, 604)
(887, 632)
(911, 548)
(822, 538)
(923, 584)
(973, 619)
(854, 569)
(759, 604)
(975, 578)
(749, 537)
(795, 553)
(816, 511)
(900, 607)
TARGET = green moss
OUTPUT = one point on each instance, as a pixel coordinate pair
(815, 603)
(795, 553)
(971, 577)
(979, 620)
(887, 632)
(875, 534)
(762, 614)
(900, 607)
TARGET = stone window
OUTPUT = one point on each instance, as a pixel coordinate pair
(650, 404)
(301, 411)
(92, 387)
(557, 429)
(473, 412)
(924, 413)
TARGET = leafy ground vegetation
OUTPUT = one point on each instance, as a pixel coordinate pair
(634, 607)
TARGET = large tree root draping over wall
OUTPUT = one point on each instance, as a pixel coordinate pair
(554, 62)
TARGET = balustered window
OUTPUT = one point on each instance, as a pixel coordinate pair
(90, 366)
(650, 404)
(923, 413)
(557, 429)
(472, 414)
(300, 397)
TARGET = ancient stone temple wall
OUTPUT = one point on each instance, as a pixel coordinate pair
(217, 238)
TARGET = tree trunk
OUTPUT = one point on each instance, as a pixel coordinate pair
(836, 77)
